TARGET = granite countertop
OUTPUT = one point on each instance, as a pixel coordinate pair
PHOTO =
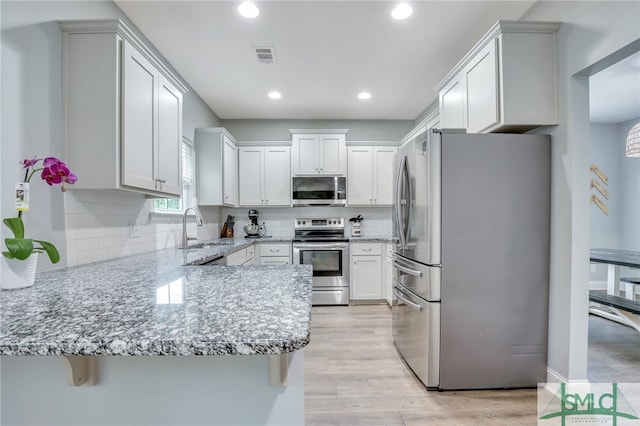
(150, 304)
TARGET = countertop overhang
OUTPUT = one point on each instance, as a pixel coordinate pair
(151, 304)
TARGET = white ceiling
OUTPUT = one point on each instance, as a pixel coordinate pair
(326, 51)
(614, 93)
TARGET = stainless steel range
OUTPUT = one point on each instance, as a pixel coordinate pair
(322, 244)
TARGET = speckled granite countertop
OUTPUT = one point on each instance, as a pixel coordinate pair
(149, 304)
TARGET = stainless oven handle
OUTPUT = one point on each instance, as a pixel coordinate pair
(320, 290)
(400, 296)
(407, 270)
(321, 246)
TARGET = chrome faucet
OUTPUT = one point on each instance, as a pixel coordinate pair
(199, 222)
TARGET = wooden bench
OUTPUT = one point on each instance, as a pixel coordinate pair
(623, 310)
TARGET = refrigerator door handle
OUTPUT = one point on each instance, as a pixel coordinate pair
(407, 270)
(408, 302)
(400, 206)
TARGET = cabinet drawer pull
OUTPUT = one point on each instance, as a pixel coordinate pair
(366, 249)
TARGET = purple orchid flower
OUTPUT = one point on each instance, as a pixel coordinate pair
(56, 172)
(26, 163)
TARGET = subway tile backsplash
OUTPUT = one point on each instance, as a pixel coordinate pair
(279, 220)
(104, 225)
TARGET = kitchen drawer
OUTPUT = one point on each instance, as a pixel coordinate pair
(275, 250)
(364, 249)
(251, 251)
(275, 260)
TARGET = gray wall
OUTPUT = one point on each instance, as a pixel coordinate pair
(620, 229)
(590, 32)
(630, 192)
(434, 105)
(278, 130)
(32, 107)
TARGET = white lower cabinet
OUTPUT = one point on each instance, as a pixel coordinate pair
(366, 271)
(245, 256)
(275, 254)
(387, 285)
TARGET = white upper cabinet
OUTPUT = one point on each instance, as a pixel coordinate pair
(318, 152)
(265, 176)
(452, 104)
(506, 83)
(217, 167)
(370, 175)
(123, 111)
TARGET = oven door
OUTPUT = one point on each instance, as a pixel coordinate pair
(330, 263)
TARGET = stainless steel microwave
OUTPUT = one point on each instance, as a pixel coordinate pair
(319, 191)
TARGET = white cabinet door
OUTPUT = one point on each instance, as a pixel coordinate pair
(452, 105)
(304, 154)
(277, 176)
(370, 175)
(118, 94)
(230, 173)
(332, 156)
(237, 257)
(140, 80)
(383, 175)
(169, 177)
(482, 90)
(360, 182)
(366, 277)
(313, 154)
(251, 175)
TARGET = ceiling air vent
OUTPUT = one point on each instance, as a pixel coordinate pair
(266, 55)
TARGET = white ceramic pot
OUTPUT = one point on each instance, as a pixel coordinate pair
(18, 273)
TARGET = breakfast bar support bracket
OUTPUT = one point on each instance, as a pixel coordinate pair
(81, 370)
(278, 369)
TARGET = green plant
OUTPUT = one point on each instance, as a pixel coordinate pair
(54, 171)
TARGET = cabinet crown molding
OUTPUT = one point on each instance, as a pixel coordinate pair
(372, 143)
(221, 130)
(264, 143)
(319, 131)
(117, 26)
(501, 27)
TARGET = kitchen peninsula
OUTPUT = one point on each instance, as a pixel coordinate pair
(149, 305)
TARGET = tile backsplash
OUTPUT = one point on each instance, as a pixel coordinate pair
(104, 225)
(279, 220)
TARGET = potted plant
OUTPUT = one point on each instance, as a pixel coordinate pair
(21, 254)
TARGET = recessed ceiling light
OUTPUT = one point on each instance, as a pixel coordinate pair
(401, 11)
(364, 96)
(248, 9)
(275, 95)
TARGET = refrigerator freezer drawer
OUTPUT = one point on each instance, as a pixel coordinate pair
(416, 334)
(420, 279)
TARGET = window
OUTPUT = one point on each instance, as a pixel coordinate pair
(175, 205)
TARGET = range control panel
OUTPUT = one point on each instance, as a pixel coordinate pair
(315, 223)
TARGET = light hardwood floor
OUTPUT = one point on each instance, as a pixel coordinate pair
(354, 375)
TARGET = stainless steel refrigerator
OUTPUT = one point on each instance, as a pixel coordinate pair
(471, 262)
